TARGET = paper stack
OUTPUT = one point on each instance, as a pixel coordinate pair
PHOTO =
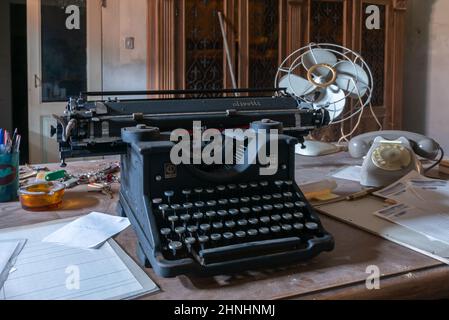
(422, 205)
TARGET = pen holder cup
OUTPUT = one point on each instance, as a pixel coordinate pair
(9, 177)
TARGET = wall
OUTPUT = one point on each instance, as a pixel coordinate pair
(5, 68)
(426, 108)
(124, 69)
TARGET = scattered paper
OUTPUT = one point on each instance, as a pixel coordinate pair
(433, 225)
(48, 271)
(422, 205)
(89, 232)
(352, 173)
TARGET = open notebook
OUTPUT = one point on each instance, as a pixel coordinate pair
(46, 271)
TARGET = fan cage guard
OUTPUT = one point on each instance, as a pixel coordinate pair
(294, 61)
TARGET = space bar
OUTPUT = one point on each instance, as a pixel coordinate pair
(248, 249)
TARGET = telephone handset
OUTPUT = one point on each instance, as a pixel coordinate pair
(390, 155)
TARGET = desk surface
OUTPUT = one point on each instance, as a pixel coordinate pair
(340, 274)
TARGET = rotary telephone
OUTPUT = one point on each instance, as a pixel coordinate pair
(390, 155)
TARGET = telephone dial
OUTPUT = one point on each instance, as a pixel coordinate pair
(390, 155)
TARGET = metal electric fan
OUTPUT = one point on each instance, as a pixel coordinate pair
(327, 76)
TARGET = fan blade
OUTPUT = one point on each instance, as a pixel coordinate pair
(347, 74)
(319, 56)
(296, 85)
(333, 100)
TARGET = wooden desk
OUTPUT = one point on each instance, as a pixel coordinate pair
(340, 274)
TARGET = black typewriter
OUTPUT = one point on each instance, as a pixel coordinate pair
(197, 218)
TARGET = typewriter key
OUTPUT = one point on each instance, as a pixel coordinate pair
(175, 207)
(210, 190)
(199, 204)
(163, 208)
(212, 203)
(187, 206)
(217, 225)
(169, 195)
(245, 199)
(232, 187)
(198, 216)
(198, 190)
(298, 215)
(276, 218)
(264, 231)
(203, 240)
(222, 213)
(287, 227)
(245, 210)
(185, 218)
(228, 236)
(256, 209)
(243, 186)
(205, 227)
(289, 205)
(187, 193)
(265, 220)
(312, 226)
(233, 212)
(287, 195)
(165, 232)
(275, 229)
(175, 246)
(264, 184)
(223, 202)
(256, 198)
(173, 220)
(253, 232)
(242, 223)
(298, 226)
(300, 204)
(287, 216)
(180, 231)
(157, 201)
(279, 183)
(234, 201)
(192, 230)
(268, 207)
(277, 196)
(240, 234)
(279, 206)
(253, 221)
(211, 214)
(230, 224)
(215, 237)
(254, 185)
(221, 188)
(267, 197)
(289, 183)
(190, 241)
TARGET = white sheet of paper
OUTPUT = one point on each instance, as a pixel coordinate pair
(89, 232)
(352, 173)
(47, 271)
(401, 185)
(434, 225)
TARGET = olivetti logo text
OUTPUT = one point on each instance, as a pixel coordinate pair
(233, 147)
(243, 104)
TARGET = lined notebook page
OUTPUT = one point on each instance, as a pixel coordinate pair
(45, 271)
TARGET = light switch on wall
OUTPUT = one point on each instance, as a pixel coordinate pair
(129, 43)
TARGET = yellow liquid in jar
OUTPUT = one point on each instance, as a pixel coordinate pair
(42, 197)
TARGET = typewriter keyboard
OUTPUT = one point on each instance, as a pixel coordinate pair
(233, 221)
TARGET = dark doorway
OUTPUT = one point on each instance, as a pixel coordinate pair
(19, 74)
